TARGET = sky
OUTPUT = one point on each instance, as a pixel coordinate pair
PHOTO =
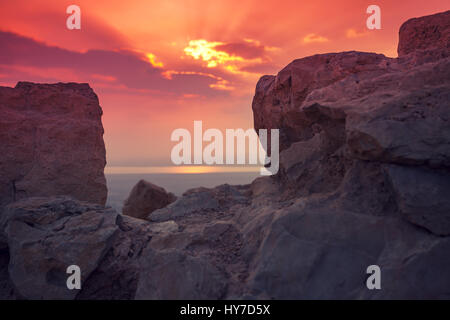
(159, 65)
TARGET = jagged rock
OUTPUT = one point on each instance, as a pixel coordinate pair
(179, 276)
(388, 109)
(425, 34)
(51, 142)
(315, 252)
(45, 236)
(197, 201)
(363, 137)
(423, 196)
(145, 198)
(117, 275)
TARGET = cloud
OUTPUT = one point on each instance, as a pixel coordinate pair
(120, 68)
(153, 60)
(44, 21)
(234, 57)
(249, 49)
(312, 37)
(352, 33)
(206, 51)
(220, 83)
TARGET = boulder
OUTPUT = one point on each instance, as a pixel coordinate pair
(52, 142)
(145, 198)
(46, 236)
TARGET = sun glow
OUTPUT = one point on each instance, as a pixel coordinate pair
(180, 169)
(152, 59)
(205, 50)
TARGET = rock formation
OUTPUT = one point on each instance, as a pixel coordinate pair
(51, 142)
(364, 180)
(145, 198)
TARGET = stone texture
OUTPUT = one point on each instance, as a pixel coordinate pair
(145, 198)
(52, 142)
(46, 236)
(179, 276)
(425, 33)
(116, 276)
(423, 196)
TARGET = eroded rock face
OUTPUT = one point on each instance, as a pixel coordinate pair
(51, 142)
(363, 181)
(145, 198)
(350, 115)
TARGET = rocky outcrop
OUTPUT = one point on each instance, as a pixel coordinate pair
(145, 198)
(364, 180)
(425, 34)
(51, 142)
(47, 235)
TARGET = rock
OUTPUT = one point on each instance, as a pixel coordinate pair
(423, 197)
(52, 142)
(117, 275)
(425, 33)
(179, 276)
(310, 252)
(164, 227)
(45, 236)
(199, 201)
(6, 286)
(145, 198)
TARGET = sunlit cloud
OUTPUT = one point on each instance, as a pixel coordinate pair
(312, 37)
(352, 33)
(152, 59)
(205, 50)
(233, 57)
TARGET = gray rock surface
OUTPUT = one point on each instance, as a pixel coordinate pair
(47, 236)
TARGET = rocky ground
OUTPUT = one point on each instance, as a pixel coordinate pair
(364, 179)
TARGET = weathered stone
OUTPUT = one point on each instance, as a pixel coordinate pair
(117, 275)
(45, 236)
(425, 33)
(145, 198)
(423, 197)
(175, 275)
(51, 142)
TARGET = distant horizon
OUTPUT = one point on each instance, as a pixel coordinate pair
(199, 169)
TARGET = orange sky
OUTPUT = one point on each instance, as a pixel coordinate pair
(160, 65)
